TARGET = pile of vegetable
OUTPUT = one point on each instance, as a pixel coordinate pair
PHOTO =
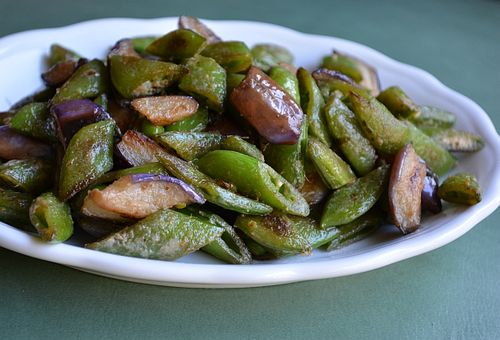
(187, 142)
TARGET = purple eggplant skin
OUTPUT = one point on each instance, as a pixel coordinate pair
(16, 146)
(136, 149)
(188, 189)
(62, 71)
(430, 199)
(72, 115)
(268, 108)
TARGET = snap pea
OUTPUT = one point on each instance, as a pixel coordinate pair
(349, 137)
(103, 101)
(353, 200)
(211, 191)
(151, 130)
(60, 53)
(194, 123)
(206, 81)
(51, 218)
(343, 64)
(396, 100)
(177, 45)
(14, 208)
(190, 145)
(89, 155)
(461, 188)
(432, 117)
(255, 179)
(287, 80)
(330, 81)
(234, 56)
(88, 81)
(266, 56)
(238, 144)
(139, 44)
(35, 120)
(41, 96)
(333, 170)
(29, 175)
(233, 80)
(458, 141)
(164, 235)
(312, 103)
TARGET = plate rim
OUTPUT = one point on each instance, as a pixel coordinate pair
(208, 275)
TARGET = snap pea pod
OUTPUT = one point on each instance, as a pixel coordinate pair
(154, 168)
(89, 155)
(32, 175)
(356, 230)
(88, 81)
(51, 218)
(190, 145)
(139, 44)
(458, 141)
(228, 247)
(255, 179)
(286, 234)
(312, 103)
(386, 133)
(60, 53)
(314, 190)
(435, 156)
(211, 191)
(461, 188)
(396, 100)
(287, 80)
(288, 160)
(266, 56)
(41, 96)
(343, 64)
(177, 45)
(238, 144)
(333, 170)
(432, 117)
(103, 101)
(234, 56)
(136, 77)
(14, 208)
(164, 235)
(206, 81)
(151, 130)
(349, 137)
(258, 251)
(330, 81)
(353, 200)
(35, 120)
(194, 123)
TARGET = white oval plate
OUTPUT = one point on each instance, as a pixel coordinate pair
(21, 62)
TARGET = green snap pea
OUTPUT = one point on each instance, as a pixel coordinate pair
(332, 169)
(234, 56)
(29, 175)
(287, 80)
(41, 96)
(14, 208)
(396, 100)
(60, 53)
(190, 145)
(255, 179)
(211, 191)
(51, 218)
(312, 103)
(461, 188)
(177, 45)
(140, 43)
(343, 64)
(164, 235)
(459, 141)
(349, 137)
(194, 123)
(330, 81)
(432, 117)
(151, 130)
(88, 81)
(206, 81)
(233, 80)
(266, 56)
(103, 101)
(89, 155)
(353, 200)
(238, 144)
(35, 120)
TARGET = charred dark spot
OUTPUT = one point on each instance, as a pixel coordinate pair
(278, 224)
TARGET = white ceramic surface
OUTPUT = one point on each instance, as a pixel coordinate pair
(21, 62)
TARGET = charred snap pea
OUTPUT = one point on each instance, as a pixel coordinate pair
(206, 81)
(349, 137)
(190, 145)
(89, 155)
(287, 80)
(209, 188)
(266, 56)
(234, 56)
(51, 218)
(89, 81)
(34, 120)
(255, 179)
(432, 117)
(398, 102)
(177, 45)
(462, 188)
(353, 200)
(28, 175)
(135, 77)
(332, 169)
(330, 81)
(238, 144)
(312, 103)
(459, 141)
(14, 208)
(164, 235)
(286, 233)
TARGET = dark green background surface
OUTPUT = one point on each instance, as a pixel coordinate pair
(450, 293)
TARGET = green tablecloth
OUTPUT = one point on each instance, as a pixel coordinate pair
(452, 292)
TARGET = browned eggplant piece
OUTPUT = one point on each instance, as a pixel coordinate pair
(405, 189)
(430, 198)
(72, 115)
(16, 146)
(194, 24)
(268, 108)
(123, 47)
(62, 71)
(165, 110)
(137, 196)
(137, 149)
(124, 116)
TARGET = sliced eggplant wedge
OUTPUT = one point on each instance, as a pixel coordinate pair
(137, 196)
(165, 110)
(60, 72)
(405, 189)
(16, 146)
(430, 198)
(137, 149)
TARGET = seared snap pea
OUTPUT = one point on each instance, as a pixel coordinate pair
(398, 102)
(459, 141)
(34, 120)
(177, 45)
(14, 208)
(28, 175)
(234, 56)
(190, 145)
(287, 80)
(266, 56)
(194, 123)
(238, 144)
(51, 218)
(462, 188)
